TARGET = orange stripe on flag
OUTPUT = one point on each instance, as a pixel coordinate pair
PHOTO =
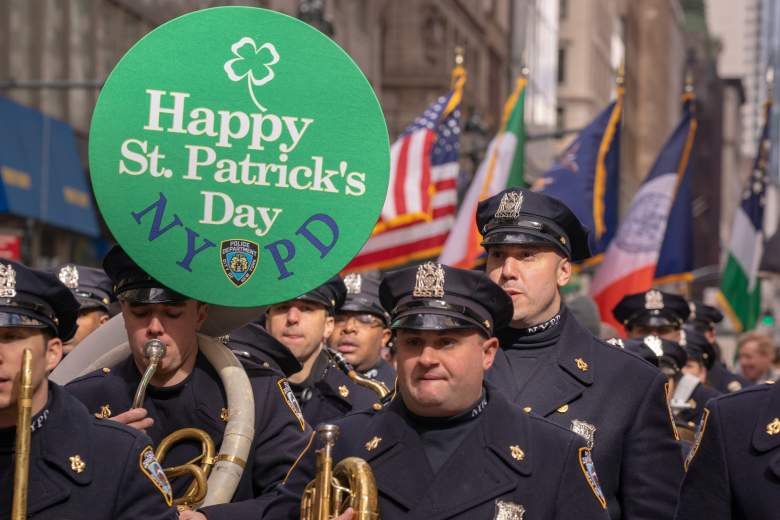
(634, 282)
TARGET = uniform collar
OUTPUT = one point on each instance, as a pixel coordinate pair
(763, 440)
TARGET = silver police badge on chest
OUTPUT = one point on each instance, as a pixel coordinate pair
(585, 430)
(508, 511)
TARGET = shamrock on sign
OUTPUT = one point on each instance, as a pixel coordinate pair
(252, 62)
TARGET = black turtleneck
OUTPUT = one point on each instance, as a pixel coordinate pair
(530, 348)
(303, 390)
(441, 436)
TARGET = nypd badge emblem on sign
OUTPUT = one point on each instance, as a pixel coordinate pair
(239, 260)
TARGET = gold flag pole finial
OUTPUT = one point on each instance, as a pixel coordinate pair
(620, 77)
(460, 53)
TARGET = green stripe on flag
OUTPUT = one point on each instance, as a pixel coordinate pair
(744, 307)
(516, 125)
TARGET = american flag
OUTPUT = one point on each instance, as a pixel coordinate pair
(422, 195)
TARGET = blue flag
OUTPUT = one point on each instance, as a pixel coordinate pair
(675, 261)
(585, 176)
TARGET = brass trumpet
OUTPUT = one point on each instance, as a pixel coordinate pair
(350, 483)
(23, 433)
(378, 387)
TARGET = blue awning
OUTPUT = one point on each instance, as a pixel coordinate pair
(41, 175)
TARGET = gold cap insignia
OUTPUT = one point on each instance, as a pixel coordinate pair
(517, 452)
(430, 281)
(69, 276)
(104, 413)
(773, 428)
(581, 364)
(354, 283)
(585, 430)
(7, 281)
(343, 391)
(654, 300)
(373, 443)
(509, 207)
(508, 511)
(654, 343)
(224, 414)
(76, 464)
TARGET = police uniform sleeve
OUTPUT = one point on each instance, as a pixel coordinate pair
(579, 491)
(143, 491)
(286, 502)
(705, 492)
(652, 466)
(281, 435)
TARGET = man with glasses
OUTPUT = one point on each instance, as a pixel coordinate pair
(362, 328)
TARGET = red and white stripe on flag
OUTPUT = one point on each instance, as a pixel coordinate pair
(409, 198)
(421, 239)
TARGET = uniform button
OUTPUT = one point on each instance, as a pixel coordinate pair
(527, 409)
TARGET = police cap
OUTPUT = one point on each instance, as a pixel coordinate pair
(698, 346)
(90, 285)
(35, 299)
(132, 284)
(661, 352)
(331, 294)
(363, 295)
(438, 297)
(521, 216)
(703, 317)
(651, 308)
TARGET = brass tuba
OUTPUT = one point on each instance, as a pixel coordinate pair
(378, 387)
(205, 488)
(23, 434)
(349, 484)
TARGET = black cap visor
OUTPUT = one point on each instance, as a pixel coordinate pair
(151, 295)
(438, 315)
(17, 319)
(362, 305)
(513, 235)
(656, 319)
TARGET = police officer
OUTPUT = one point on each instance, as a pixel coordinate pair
(449, 446)
(257, 348)
(550, 364)
(652, 312)
(734, 468)
(701, 356)
(703, 319)
(304, 325)
(92, 289)
(187, 392)
(362, 328)
(79, 466)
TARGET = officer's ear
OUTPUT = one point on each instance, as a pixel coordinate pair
(386, 335)
(53, 352)
(103, 318)
(330, 324)
(202, 310)
(489, 348)
(563, 274)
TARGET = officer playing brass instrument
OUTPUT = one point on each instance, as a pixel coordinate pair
(448, 445)
(79, 466)
(187, 390)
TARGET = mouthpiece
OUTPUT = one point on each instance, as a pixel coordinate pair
(154, 349)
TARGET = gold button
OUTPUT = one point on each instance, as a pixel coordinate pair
(527, 409)
(106, 370)
(563, 408)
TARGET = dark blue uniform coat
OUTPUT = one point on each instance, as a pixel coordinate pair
(383, 372)
(334, 395)
(725, 381)
(699, 397)
(111, 484)
(734, 472)
(280, 433)
(544, 476)
(624, 398)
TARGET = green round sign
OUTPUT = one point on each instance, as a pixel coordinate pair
(239, 156)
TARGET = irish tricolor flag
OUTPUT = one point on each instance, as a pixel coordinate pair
(501, 168)
(740, 287)
(630, 261)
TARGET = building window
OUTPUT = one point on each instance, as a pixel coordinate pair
(563, 9)
(561, 64)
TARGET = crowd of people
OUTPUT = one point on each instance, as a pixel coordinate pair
(469, 393)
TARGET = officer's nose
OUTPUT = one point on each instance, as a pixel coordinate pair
(428, 356)
(509, 269)
(293, 316)
(155, 327)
